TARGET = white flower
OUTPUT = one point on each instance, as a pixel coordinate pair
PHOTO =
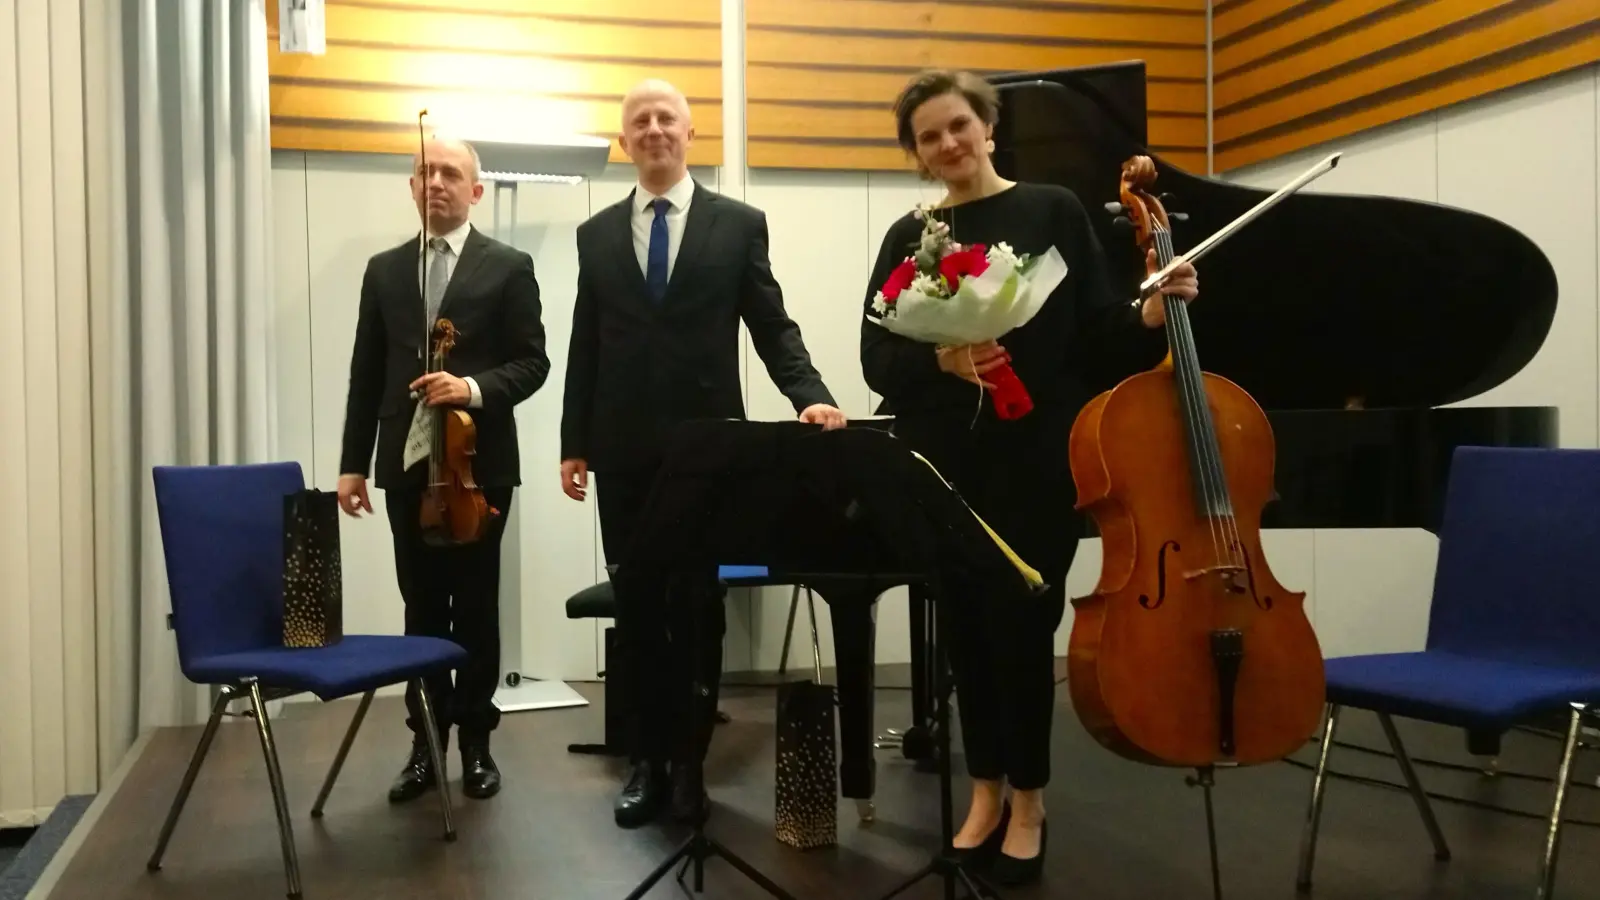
(926, 284)
(931, 242)
(1002, 254)
(880, 304)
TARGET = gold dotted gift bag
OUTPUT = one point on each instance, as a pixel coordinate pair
(313, 586)
(806, 811)
(806, 801)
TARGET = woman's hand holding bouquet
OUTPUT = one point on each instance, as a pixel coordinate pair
(963, 299)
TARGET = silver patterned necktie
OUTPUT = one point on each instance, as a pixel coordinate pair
(419, 438)
(438, 277)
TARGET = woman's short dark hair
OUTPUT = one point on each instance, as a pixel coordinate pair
(979, 94)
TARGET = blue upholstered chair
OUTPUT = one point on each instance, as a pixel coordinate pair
(1514, 630)
(222, 536)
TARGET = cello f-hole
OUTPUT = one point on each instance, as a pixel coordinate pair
(1161, 578)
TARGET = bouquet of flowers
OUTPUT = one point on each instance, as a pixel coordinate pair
(949, 294)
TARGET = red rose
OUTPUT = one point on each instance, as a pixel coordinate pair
(899, 280)
(971, 261)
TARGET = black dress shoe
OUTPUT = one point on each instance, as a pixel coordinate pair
(480, 777)
(416, 777)
(1012, 872)
(689, 801)
(981, 856)
(643, 796)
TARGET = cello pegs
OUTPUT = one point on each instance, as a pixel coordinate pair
(1114, 208)
(1122, 222)
(1178, 217)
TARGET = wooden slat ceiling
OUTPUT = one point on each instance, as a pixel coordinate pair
(822, 74)
(1290, 73)
(493, 68)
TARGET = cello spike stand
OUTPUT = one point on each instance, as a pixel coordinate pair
(1205, 779)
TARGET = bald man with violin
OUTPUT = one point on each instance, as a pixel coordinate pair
(488, 291)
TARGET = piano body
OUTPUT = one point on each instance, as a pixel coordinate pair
(1352, 320)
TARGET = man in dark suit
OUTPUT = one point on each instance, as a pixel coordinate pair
(488, 291)
(664, 278)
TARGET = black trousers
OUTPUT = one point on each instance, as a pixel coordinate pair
(453, 593)
(668, 719)
(1015, 476)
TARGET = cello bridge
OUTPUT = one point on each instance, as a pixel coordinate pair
(1231, 575)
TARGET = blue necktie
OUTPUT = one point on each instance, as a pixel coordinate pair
(655, 277)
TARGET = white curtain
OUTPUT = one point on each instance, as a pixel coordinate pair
(181, 313)
(47, 628)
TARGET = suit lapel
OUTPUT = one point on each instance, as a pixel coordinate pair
(702, 214)
(621, 229)
(472, 252)
(411, 289)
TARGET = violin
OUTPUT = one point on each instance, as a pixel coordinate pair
(1188, 653)
(454, 510)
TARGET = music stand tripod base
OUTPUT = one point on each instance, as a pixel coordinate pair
(699, 847)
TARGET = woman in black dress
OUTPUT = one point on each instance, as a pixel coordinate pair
(1014, 473)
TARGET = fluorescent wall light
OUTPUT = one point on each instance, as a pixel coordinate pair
(535, 177)
(566, 160)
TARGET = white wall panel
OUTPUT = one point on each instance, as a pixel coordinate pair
(1370, 589)
(1487, 164)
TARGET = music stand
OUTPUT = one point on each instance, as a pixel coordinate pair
(844, 509)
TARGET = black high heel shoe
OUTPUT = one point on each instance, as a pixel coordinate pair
(983, 854)
(1013, 872)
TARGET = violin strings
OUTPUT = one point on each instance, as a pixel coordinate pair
(1193, 404)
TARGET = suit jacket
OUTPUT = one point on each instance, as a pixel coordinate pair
(635, 369)
(493, 301)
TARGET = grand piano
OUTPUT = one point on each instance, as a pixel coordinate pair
(1352, 320)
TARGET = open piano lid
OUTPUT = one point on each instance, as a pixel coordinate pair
(1326, 301)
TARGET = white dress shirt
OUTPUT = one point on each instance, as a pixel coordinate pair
(679, 195)
(457, 239)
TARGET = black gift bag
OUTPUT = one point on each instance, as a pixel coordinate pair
(806, 812)
(313, 586)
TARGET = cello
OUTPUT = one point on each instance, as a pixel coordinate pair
(453, 509)
(1189, 652)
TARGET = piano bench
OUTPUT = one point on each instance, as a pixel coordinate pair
(598, 601)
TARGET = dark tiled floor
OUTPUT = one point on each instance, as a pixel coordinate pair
(1118, 831)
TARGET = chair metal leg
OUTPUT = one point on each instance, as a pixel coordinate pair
(1441, 851)
(816, 647)
(788, 633)
(218, 707)
(344, 750)
(280, 798)
(436, 751)
(1308, 834)
(1547, 868)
